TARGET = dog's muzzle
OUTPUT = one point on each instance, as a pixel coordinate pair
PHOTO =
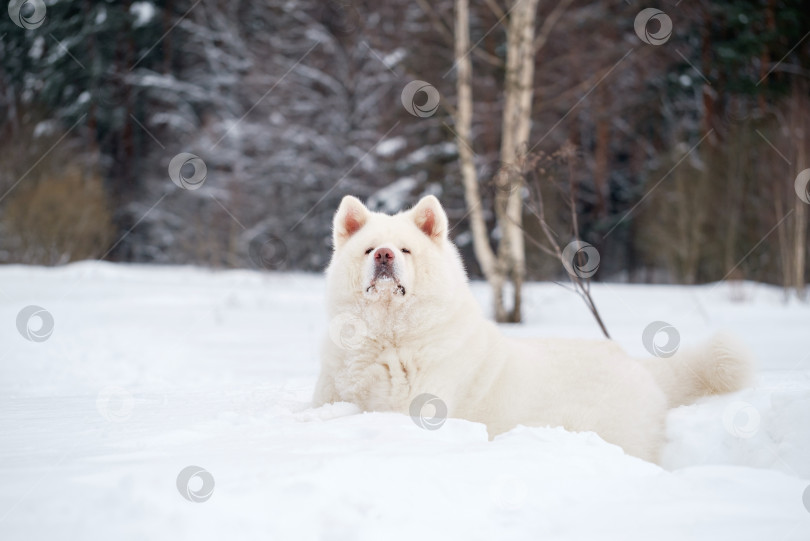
(384, 272)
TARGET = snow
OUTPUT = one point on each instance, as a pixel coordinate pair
(45, 127)
(37, 48)
(389, 147)
(391, 198)
(143, 12)
(422, 154)
(101, 16)
(395, 57)
(150, 370)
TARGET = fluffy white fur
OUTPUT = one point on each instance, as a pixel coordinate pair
(423, 332)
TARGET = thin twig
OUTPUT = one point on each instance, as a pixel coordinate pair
(537, 208)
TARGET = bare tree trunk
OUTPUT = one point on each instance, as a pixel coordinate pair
(463, 121)
(601, 151)
(93, 151)
(167, 38)
(128, 136)
(519, 90)
(800, 111)
(510, 260)
(708, 120)
(782, 235)
(800, 250)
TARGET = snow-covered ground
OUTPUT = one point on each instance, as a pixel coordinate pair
(152, 370)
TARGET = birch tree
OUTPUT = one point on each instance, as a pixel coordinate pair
(508, 261)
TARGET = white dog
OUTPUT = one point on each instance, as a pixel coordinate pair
(404, 323)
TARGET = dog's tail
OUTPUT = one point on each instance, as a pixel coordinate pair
(723, 365)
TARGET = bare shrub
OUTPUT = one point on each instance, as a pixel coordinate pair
(56, 218)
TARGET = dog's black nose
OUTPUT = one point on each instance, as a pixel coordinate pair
(383, 256)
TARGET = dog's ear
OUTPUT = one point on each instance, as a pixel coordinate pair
(350, 217)
(430, 217)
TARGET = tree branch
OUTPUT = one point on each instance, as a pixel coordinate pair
(442, 28)
(549, 23)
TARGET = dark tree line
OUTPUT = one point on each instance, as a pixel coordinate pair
(684, 154)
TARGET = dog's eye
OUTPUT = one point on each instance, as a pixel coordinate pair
(369, 251)
(405, 251)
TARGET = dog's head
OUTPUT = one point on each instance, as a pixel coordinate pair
(395, 260)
